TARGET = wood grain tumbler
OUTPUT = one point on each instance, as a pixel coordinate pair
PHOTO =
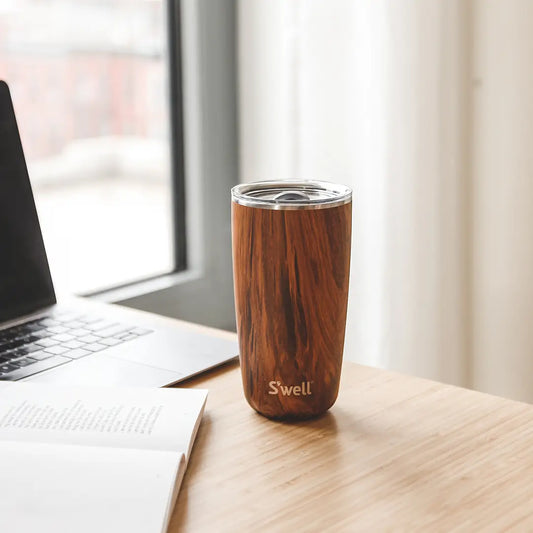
(291, 263)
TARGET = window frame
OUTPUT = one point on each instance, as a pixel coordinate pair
(205, 165)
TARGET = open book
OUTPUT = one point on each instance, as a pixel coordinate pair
(93, 459)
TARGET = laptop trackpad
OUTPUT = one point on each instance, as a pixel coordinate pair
(176, 350)
(99, 370)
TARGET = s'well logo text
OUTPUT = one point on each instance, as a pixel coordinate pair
(290, 390)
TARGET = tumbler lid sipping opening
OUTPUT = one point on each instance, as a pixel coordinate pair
(291, 194)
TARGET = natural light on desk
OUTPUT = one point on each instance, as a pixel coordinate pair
(93, 114)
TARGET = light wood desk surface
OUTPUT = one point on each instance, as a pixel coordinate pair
(395, 453)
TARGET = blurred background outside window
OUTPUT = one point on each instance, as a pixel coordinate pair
(89, 83)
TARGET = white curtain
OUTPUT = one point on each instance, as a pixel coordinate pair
(426, 110)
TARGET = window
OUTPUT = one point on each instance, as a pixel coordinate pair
(89, 81)
(156, 209)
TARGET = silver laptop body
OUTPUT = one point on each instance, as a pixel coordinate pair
(80, 341)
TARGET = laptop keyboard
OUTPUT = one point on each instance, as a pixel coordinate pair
(45, 343)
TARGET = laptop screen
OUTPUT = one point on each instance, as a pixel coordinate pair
(25, 282)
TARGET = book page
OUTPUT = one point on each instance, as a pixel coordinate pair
(157, 419)
(66, 488)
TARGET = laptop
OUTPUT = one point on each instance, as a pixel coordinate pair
(80, 341)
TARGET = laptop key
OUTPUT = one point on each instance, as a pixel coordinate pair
(41, 334)
(25, 362)
(89, 339)
(79, 332)
(94, 347)
(46, 343)
(110, 341)
(12, 344)
(54, 330)
(26, 339)
(63, 337)
(29, 349)
(56, 350)
(77, 353)
(9, 353)
(72, 345)
(18, 356)
(7, 367)
(34, 368)
(40, 356)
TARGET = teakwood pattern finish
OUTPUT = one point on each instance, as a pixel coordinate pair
(291, 273)
(395, 453)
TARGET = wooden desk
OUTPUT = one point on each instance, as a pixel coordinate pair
(395, 453)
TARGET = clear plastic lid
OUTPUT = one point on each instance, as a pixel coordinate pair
(291, 194)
